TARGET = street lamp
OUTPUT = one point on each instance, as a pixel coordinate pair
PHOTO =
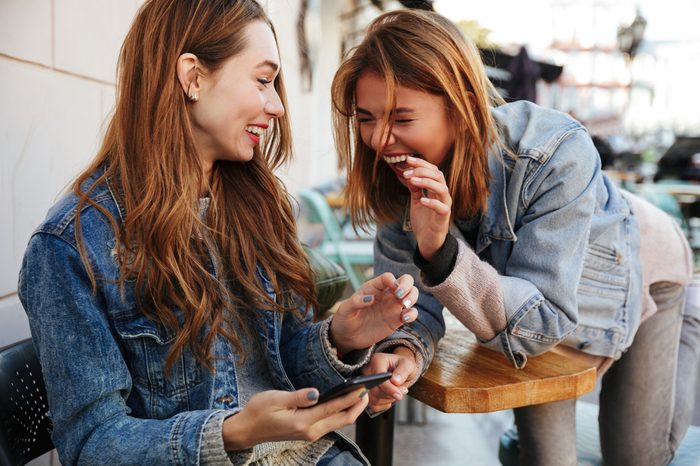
(630, 37)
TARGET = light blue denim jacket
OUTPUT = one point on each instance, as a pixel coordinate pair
(103, 361)
(561, 236)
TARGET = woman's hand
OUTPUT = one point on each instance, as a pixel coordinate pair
(431, 205)
(402, 364)
(273, 416)
(373, 312)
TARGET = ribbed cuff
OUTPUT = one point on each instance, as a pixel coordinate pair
(439, 268)
(351, 362)
(212, 450)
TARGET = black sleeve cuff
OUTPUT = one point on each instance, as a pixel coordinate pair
(438, 269)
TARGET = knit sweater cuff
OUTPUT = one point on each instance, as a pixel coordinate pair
(473, 294)
(439, 267)
(350, 362)
(212, 450)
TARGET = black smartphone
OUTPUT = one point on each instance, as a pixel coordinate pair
(366, 381)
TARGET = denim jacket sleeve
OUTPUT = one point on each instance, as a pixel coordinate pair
(557, 202)
(87, 379)
(393, 252)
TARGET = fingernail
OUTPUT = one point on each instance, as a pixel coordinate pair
(397, 396)
(400, 292)
(406, 317)
(363, 393)
(367, 298)
(312, 395)
(404, 390)
(398, 378)
(408, 173)
(406, 303)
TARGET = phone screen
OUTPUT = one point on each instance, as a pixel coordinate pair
(366, 381)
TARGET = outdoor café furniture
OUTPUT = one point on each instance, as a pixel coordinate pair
(352, 254)
(467, 378)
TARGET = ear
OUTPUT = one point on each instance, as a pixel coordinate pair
(188, 75)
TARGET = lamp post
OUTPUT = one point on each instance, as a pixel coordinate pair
(629, 38)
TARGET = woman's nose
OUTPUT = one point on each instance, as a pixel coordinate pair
(273, 106)
(382, 137)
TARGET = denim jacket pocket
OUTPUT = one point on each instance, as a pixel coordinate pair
(602, 295)
(147, 345)
(604, 278)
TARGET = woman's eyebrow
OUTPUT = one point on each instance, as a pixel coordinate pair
(268, 63)
(397, 110)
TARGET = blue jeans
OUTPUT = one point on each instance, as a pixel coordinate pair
(646, 399)
(337, 457)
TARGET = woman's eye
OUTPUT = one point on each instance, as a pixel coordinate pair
(403, 121)
(264, 81)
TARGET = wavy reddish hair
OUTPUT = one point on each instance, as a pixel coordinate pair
(149, 153)
(424, 51)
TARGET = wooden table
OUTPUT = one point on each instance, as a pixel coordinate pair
(467, 378)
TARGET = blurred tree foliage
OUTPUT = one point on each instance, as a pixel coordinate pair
(477, 33)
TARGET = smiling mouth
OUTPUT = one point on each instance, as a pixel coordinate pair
(398, 162)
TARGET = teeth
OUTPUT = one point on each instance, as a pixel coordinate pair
(396, 158)
(255, 130)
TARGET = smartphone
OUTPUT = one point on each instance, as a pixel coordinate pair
(366, 381)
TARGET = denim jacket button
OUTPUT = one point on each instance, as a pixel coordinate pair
(225, 399)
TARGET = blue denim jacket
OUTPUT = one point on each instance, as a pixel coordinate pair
(561, 236)
(103, 361)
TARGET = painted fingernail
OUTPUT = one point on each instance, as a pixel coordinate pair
(405, 318)
(406, 303)
(367, 298)
(312, 395)
(363, 393)
(400, 292)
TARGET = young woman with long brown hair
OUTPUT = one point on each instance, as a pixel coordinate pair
(168, 296)
(502, 214)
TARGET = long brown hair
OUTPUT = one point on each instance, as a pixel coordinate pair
(149, 153)
(425, 51)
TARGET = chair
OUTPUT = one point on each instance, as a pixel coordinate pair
(588, 442)
(24, 423)
(350, 254)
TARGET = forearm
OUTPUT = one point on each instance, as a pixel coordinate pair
(471, 290)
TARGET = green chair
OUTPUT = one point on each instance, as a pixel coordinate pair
(588, 442)
(351, 254)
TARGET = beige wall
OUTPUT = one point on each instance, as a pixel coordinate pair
(57, 70)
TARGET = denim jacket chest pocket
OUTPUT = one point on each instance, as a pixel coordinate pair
(146, 345)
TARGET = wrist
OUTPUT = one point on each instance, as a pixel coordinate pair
(235, 433)
(340, 347)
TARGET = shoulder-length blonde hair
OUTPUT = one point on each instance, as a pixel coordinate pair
(424, 51)
(149, 153)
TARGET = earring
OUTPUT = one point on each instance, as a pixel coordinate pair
(193, 95)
